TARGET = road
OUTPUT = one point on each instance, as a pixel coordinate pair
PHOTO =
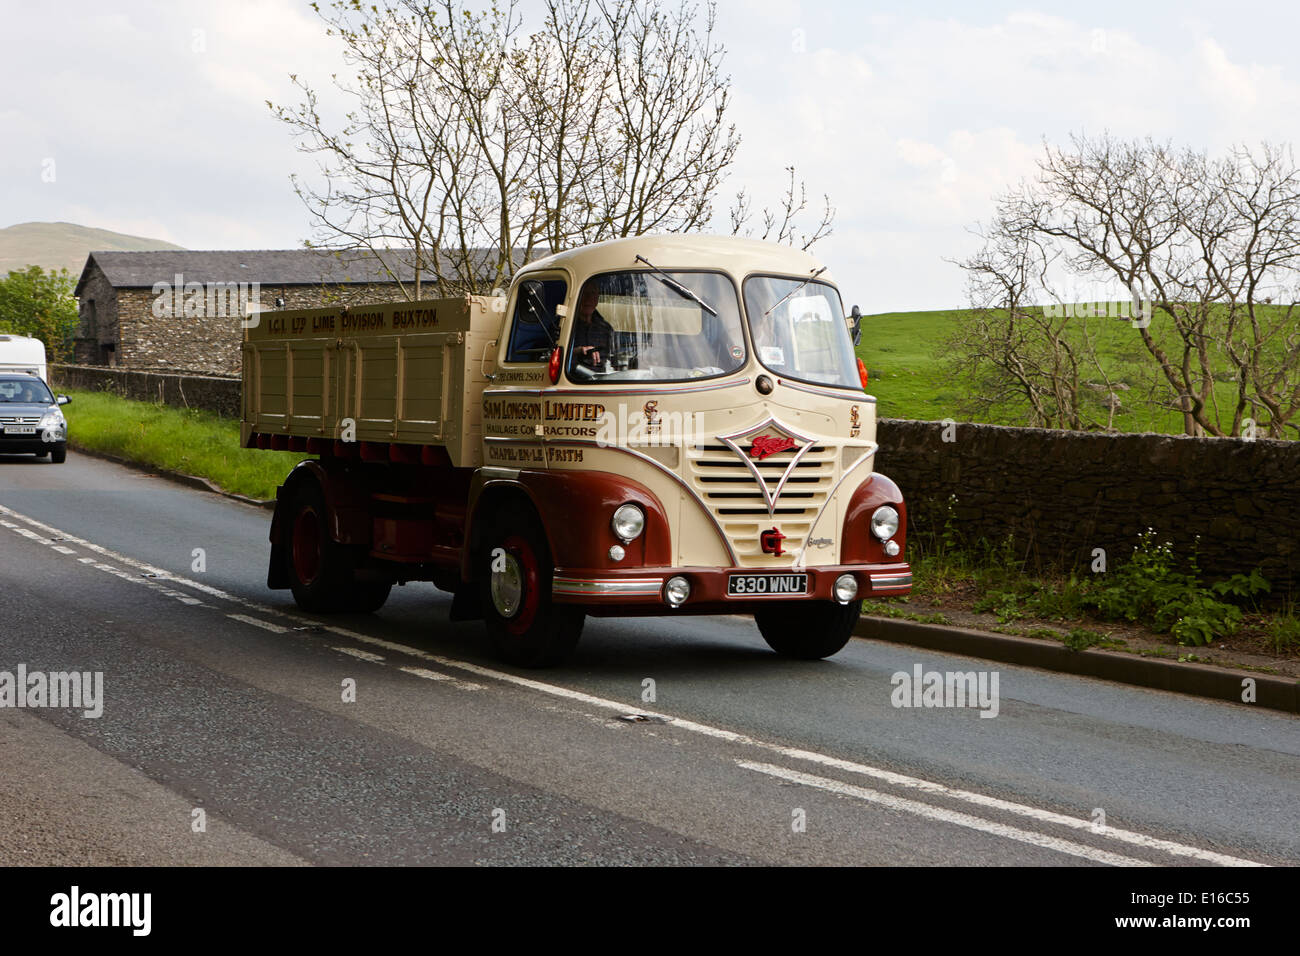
(224, 705)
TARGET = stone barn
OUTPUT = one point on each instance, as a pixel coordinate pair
(180, 310)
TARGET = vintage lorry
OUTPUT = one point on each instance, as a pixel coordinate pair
(654, 425)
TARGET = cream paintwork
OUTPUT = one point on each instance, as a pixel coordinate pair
(822, 413)
(395, 384)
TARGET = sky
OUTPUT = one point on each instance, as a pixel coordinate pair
(150, 118)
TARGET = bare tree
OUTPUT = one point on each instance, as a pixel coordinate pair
(1018, 357)
(1203, 241)
(782, 224)
(471, 145)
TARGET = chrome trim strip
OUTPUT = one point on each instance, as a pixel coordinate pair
(830, 496)
(578, 443)
(631, 389)
(864, 397)
(881, 581)
(649, 587)
(769, 496)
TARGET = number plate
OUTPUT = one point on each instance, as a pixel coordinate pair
(20, 429)
(766, 585)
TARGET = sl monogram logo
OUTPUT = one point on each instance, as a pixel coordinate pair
(652, 419)
(765, 439)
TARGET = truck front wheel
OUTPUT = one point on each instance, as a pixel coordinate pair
(808, 630)
(320, 569)
(524, 625)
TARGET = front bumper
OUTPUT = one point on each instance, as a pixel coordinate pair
(640, 590)
(40, 442)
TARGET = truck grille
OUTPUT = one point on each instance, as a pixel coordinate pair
(728, 488)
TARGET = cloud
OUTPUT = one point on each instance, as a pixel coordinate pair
(911, 123)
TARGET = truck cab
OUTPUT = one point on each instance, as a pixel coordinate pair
(657, 425)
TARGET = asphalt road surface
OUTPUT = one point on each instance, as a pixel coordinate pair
(225, 736)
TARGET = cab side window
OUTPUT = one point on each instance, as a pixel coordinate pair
(535, 327)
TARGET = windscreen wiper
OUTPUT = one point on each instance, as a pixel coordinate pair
(676, 286)
(538, 307)
(794, 290)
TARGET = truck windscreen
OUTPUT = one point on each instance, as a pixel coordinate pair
(803, 337)
(638, 326)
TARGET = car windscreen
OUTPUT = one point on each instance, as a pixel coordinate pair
(655, 326)
(799, 330)
(28, 391)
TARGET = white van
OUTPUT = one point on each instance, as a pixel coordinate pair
(18, 353)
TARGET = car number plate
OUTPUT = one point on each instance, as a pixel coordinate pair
(20, 429)
(766, 585)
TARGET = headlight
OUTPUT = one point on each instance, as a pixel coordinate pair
(53, 418)
(677, 590)
(846, 588)
(628, 522)
(884, 522)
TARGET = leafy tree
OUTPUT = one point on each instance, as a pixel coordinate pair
(40, 304)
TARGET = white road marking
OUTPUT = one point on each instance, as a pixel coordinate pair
(360, 654)
(444, 678)
(946, 816)
(257, 622)
(794, 753)
(99, 565)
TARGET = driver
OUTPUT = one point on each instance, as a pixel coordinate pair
(592, 335)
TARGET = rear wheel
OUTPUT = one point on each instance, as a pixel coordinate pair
(321, 571)
(526, 627)
(808, 630)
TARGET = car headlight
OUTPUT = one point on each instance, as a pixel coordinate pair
(628, 521)
(52, 419)
(884, 522)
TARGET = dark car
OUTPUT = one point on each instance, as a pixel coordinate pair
(31, 421)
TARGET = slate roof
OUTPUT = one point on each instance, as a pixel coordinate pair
(140, 270)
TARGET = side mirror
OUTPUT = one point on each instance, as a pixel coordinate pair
(855, 325)
(61, 399)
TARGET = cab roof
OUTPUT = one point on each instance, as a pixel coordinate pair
(740, 257)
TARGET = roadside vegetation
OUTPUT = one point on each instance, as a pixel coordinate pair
(183, 440)
(1151, 597)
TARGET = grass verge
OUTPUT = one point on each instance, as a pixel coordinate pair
(175, 439)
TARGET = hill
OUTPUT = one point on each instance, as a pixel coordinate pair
(63, 245)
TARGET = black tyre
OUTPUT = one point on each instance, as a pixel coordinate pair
(808, 630)
(58, 453)
(320, 570)
(525, 626)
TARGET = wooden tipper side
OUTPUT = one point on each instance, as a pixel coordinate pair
(408, 373)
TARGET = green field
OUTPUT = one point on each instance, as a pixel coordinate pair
(175, 439)
(904, 353)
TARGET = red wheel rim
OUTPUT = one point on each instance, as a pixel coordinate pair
(306, 546)
(531, 573)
